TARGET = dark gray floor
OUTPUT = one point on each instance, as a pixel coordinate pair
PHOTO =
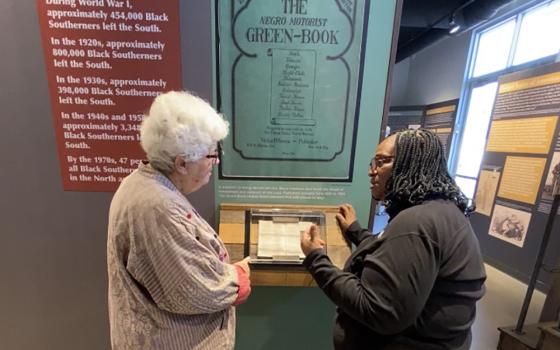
(500, 307)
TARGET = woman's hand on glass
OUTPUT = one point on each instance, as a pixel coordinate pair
(345, 217)
(311, 240)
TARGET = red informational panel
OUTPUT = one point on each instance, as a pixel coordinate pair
(106, 61)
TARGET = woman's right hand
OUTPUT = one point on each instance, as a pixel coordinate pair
(244, 265)
(345, 217)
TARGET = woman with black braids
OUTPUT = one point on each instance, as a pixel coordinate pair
(415, 285)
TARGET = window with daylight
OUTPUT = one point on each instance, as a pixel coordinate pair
(520, 41)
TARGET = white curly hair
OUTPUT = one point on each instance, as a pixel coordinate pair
(180, 124)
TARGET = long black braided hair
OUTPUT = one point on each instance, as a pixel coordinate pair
(420, 173)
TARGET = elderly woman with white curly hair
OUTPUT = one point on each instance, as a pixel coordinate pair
(171, 285)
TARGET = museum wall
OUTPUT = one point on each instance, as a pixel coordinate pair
(432, 75)
(436, 73)
(400, 83)
(52, 242)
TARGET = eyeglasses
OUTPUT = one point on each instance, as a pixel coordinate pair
(215, 158)
(379, 161)
(216, 155)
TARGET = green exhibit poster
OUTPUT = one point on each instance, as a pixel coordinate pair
(303, 84)
(289, 83)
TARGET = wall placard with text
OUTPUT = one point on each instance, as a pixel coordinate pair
(440, 118)
(106, 61)
(521, 166)
(404, 118)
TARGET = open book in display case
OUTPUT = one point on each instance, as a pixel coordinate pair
(270, 235)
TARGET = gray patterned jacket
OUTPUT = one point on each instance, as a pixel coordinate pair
(170, 283)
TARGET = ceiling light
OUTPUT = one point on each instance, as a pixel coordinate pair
(454, 26)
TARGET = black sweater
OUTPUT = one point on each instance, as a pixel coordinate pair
(412, 287)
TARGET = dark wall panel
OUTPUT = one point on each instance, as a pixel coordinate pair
(53, 293)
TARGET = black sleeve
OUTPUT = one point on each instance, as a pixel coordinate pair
(356, 234)
(395, 283)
